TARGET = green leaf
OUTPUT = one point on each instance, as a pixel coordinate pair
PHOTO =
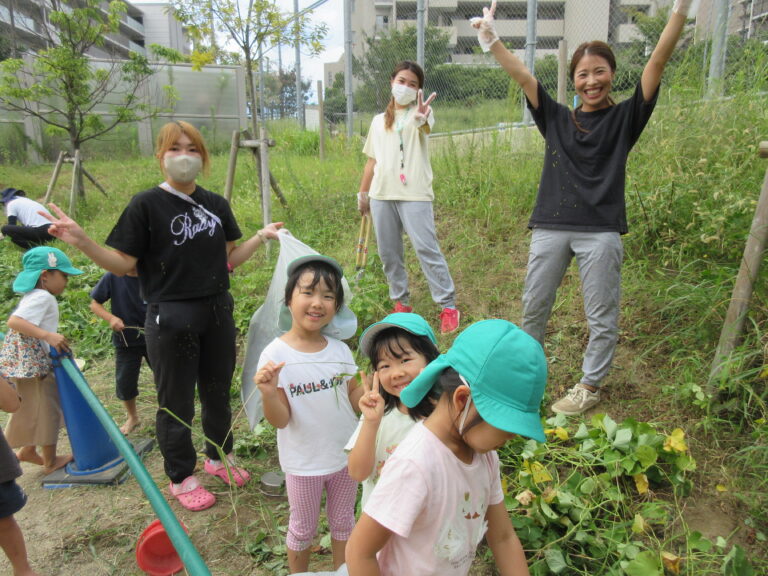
(555, 560)
(737, 564)
(647, 563)
(622, 439)
(547, 510)
(646, 455)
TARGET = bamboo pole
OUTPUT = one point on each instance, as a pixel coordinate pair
(230, 182)
(54, 177)
(730, 335)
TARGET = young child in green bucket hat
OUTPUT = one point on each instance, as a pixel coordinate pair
(25, 356)
(440, 492)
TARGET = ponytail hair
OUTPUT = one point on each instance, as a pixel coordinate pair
(389, 113)
(593, 48)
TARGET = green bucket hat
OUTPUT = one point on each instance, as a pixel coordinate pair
(407, 321)
(505, 369)
(38, 259)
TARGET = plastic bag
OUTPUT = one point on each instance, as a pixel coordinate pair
(265, 322)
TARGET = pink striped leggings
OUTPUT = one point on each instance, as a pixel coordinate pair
(304, 496)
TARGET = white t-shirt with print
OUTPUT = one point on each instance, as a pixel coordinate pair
(384, 146)
(322, 418)
(393, 428)
(435, 505)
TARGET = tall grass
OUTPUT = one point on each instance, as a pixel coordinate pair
(693, 181)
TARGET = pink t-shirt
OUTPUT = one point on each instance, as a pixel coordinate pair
(435, 505)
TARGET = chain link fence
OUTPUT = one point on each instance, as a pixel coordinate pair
(723, 50)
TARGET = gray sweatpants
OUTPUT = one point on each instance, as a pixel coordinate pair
(599, 256)
(390, 219)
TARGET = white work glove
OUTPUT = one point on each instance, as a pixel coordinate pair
(486, 32)
(686, 7)
(363, 204)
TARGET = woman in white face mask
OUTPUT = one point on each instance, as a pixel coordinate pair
(396, 189)
(182, 239)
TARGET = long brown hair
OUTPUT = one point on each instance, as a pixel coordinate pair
(593, 48)
(170, 133)
(389, 113)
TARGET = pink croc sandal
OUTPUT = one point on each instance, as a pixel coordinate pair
(192, 495)
(240, 475)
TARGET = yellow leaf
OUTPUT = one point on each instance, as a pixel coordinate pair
(639, 525)
(675, 442)
(538, 471)
(721, 488)
(560, 432)
(641, 482)
(525, 497)
(671, 562)
(764, 373)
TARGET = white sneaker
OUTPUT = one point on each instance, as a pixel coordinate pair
(578, 400)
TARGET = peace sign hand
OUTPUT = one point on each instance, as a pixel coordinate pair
(371, 402)
(486, 31)
(423, 109)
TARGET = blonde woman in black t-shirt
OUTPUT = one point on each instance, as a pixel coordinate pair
(182, 239)
(580, 210)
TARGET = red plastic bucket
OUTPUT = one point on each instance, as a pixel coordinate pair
(155, 553)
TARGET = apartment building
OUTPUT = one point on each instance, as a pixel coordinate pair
(572, 20)
(24, 24)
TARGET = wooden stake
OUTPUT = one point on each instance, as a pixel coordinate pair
(233, 148)
(730, 335)
(54, 177)
(75, 183)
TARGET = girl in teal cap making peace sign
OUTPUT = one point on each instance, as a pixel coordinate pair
(444, 477)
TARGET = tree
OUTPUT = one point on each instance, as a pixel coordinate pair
(65, 89)
(252, 26)
(383, 53)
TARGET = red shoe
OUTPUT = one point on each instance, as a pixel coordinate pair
(449, 320)
(400, 307)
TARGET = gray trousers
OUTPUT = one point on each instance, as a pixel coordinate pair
(599, 256)
(390, 219)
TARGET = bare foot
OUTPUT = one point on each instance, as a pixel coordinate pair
(129, 426)
(29, 454)
(59, 462)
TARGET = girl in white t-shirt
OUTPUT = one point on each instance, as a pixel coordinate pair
(440, 492)
(396, 188)
(399, 348)
(24, 359)
(308, 389)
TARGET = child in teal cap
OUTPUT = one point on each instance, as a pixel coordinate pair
(399, 347)
(440, 493)
(25, 360)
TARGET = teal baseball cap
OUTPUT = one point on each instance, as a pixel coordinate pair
(38, 259)
(407, 321)
(506, 371)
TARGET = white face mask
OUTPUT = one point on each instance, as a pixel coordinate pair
(403, 94)
(183, 168)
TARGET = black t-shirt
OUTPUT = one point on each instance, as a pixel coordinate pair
(582, 182)
(126, 303)
(180, 247)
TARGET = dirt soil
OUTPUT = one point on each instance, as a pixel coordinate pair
(93, 530)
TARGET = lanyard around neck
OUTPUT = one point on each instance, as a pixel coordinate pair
(188, 199)
(399, 125)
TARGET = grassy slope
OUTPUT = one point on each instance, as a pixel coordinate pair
(696, 171)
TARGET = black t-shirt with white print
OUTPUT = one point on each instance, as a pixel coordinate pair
(181, 248)
(582, 181)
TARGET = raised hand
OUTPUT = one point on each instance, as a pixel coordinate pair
(371, 402)
(423, 108)
(63, 227)
(486, 31)
(266, 378)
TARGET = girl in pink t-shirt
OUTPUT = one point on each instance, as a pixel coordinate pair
(440, 493)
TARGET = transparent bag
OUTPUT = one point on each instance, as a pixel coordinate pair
(272, 319)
